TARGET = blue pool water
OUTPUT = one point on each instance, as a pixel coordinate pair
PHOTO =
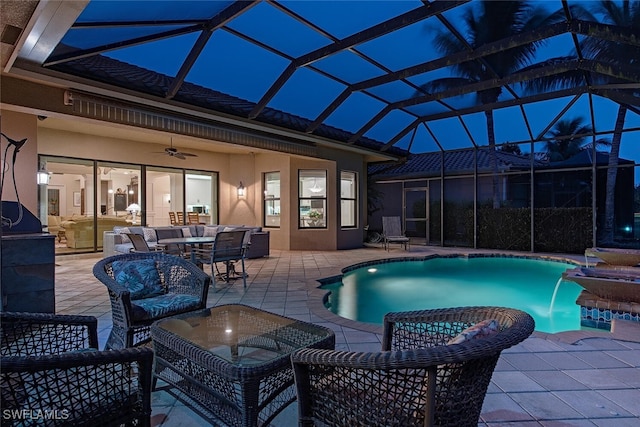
(366, 293)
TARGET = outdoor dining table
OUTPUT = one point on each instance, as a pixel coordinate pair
(233, 361)
(191, 241)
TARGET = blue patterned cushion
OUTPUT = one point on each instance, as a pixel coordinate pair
(140, 277)
(164, 305)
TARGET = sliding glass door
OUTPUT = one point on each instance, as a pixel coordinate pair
(180, 191)
(165, 193)
(85, 198)
(201, 189)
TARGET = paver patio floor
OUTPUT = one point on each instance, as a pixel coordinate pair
(568, 379)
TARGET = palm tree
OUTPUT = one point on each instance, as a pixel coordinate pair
(624, 15)
(510, 147)
(569, 137)
(489, 22)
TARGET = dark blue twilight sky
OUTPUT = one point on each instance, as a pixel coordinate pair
(246, 56)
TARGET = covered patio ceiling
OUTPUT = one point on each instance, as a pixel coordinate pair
(360, 73)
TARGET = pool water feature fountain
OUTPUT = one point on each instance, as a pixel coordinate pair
(555, 293)
(365, 292)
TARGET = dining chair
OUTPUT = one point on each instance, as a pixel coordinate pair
(193, 218)
(171, 248)
(229, 247)
(173, 219)
(180, 216)
(140, 244)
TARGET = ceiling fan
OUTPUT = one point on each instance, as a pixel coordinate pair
(173, 152)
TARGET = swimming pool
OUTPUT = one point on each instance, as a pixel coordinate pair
(367, 291)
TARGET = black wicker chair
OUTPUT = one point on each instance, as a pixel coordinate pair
(53, 374)
(416, 380)
(183, 288)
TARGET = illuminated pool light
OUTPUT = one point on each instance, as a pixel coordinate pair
(372, 270)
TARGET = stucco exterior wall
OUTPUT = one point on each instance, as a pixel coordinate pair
(18, 126)
(273, 162)
(232, 167)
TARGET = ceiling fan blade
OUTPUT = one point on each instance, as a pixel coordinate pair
(173, 152)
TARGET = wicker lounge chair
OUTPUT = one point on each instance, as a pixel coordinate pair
(50, 363)
(392, 232)
(172, 285)
(416, 380)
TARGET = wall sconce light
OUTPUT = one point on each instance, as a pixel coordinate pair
(241, 190)
(43, 176)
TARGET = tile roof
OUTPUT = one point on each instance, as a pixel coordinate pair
(460, 162)
(455, 162)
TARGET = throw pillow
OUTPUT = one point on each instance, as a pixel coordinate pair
(122, 231)
(186, 232)
(140, 277)
(479, 330)
(149, 234)
(210, 231)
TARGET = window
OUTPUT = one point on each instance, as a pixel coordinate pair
(312, 198)
(348, 199)
(271, 187)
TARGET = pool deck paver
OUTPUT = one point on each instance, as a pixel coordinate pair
(577, 378)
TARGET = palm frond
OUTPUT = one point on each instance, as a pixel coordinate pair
(571, 78)
(445, 83)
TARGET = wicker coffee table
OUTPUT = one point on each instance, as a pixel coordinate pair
(233, 361)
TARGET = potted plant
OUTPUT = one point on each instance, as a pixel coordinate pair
(315, 218)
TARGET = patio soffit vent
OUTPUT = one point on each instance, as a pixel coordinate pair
(114, 111)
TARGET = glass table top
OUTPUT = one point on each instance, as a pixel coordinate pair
(243, 335)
